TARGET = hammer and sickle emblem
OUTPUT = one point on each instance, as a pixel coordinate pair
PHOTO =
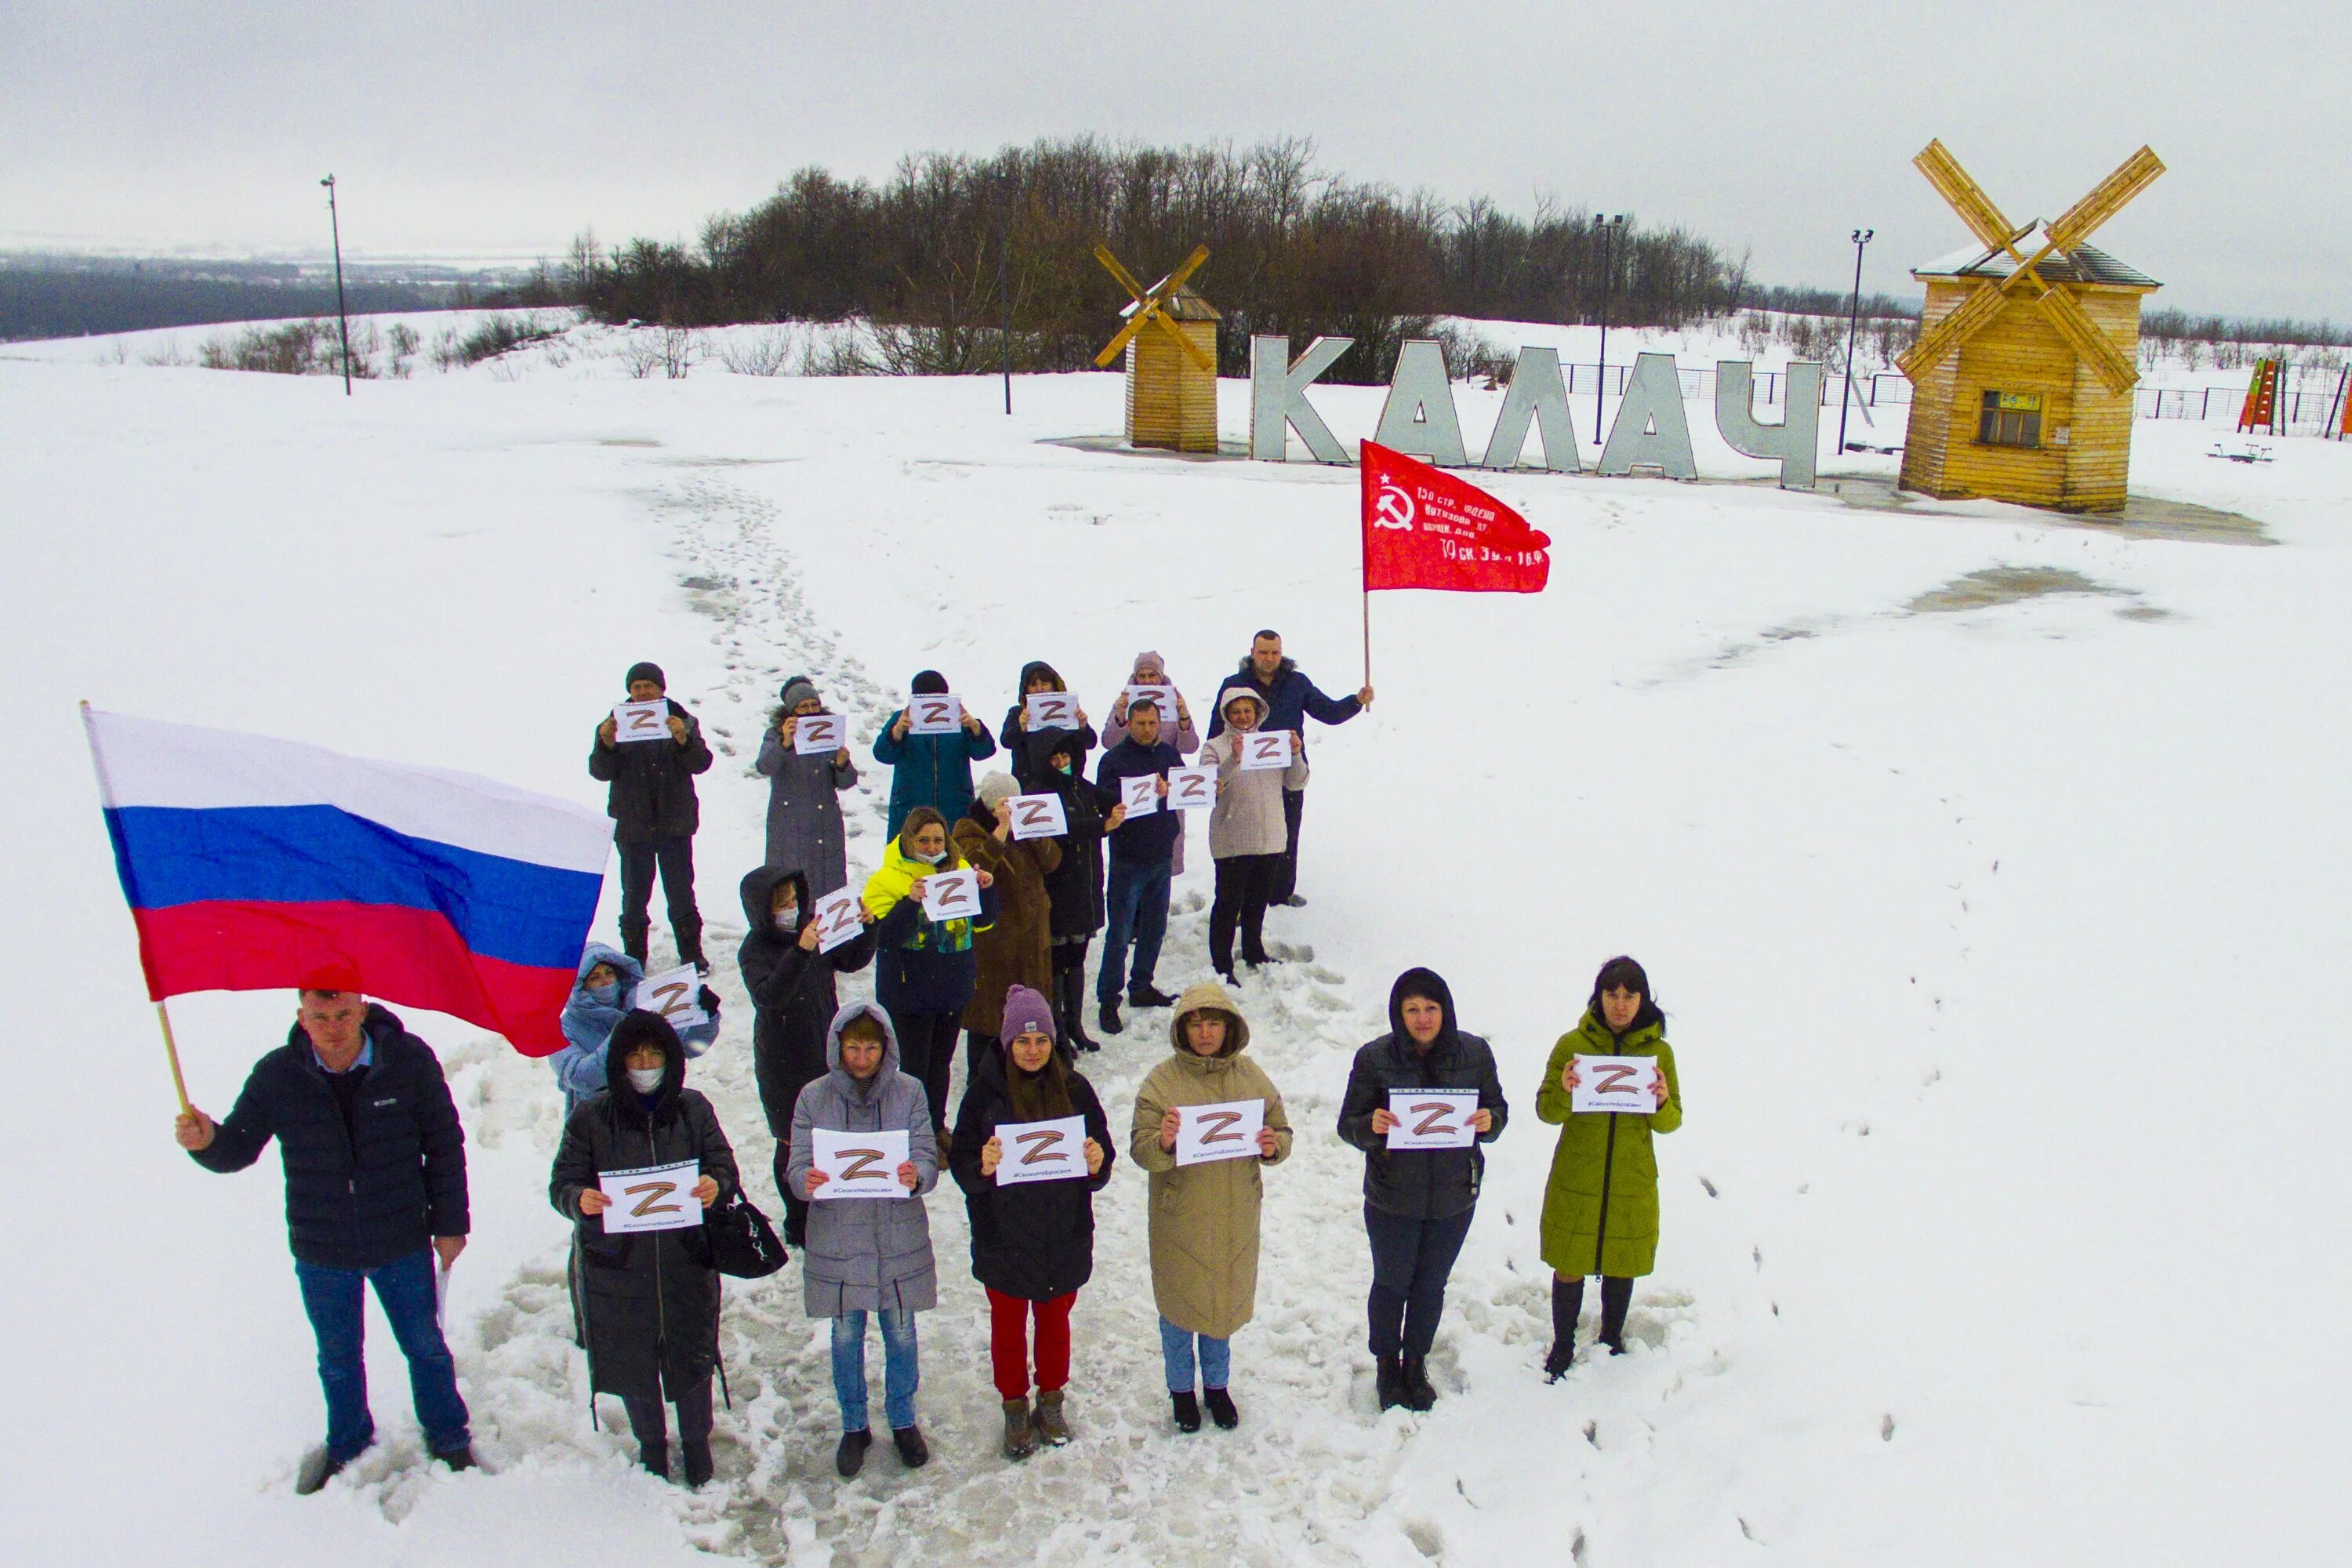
(1393, 507)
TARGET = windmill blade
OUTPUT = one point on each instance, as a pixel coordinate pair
(1951, 330)
(1193, 351)
(1149, 311)
(2106, 198)
(1965, 196)
(1126, 279)
(1175, 280)
(2093, 347)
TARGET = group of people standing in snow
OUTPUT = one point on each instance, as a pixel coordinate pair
(1010, 979)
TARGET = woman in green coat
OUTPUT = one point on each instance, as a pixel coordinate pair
(1601, 1206)
(1205, 1218)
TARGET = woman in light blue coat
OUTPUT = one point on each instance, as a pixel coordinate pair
(602, 995)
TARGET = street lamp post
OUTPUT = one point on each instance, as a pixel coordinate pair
(1607, 227)
(1861, 237)
(342, 316)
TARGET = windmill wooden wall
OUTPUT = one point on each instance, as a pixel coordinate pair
(2083, 457)
(1172, 403)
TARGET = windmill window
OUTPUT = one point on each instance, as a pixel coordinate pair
(2010, 419)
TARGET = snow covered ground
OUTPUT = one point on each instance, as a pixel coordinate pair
(1999, 946)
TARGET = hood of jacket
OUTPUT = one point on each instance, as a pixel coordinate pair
(1148, 659)
(1241, 685)
(759, 888)
(1038, 772)
(640, 1027)
(1036, 669)
(1247, 670)
(585, 1020)
(848, 1015)
(1641, 1037)
(1208, 996)
(1421, 982)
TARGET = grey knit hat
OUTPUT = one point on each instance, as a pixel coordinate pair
(997, 788)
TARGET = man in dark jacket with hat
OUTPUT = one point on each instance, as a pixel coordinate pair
(1418, 1202)
(375, 1190)
(792, 985)
(1290, 700)
(655, 813)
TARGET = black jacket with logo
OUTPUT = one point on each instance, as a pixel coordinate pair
(365, 1194)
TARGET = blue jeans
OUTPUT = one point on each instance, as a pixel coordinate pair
(1138, 900)
(1176, 1349)
(335, 1298)
(900, 1375)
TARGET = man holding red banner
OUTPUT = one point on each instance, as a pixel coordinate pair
(1426, 529)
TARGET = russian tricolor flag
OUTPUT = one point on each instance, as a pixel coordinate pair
(253, 863)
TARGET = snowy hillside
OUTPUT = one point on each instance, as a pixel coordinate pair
(1991, 869)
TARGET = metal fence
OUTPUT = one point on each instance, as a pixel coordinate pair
(2311, 406)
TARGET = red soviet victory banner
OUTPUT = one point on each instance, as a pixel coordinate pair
(1426, 529)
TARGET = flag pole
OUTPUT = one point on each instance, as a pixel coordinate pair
(1364, 554)
(162, 1016)
(171, 1053)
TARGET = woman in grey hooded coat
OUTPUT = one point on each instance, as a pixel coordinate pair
(868, 1254)
(804, 826)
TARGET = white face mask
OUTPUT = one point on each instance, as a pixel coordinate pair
(644, 1080)
(788, 918)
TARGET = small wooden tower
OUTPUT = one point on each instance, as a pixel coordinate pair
(2028, 351)
(1172, 373)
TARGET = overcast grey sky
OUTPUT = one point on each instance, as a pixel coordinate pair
(506, 128)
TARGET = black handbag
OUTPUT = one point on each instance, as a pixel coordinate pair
(741, 1240)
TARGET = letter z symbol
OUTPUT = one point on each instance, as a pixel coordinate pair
(1615, 1080)
(859, 1159)
(1041, 1147)
(651, 1204)
(1214, 1124)
(671, 997)
(1432, 1125)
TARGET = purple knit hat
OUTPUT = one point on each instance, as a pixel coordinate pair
(1026, 1011)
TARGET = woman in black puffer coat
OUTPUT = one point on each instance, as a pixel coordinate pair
(651, 1298)
(1075, 887)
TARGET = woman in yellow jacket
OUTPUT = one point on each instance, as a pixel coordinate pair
(1601, 1206)
(1205, 1218)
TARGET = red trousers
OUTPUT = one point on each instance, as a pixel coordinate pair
(1008, 1342)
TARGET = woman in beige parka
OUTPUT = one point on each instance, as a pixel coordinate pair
(1204, 1217)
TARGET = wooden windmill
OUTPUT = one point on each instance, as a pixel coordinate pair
(1171, 372)
(2023, 376)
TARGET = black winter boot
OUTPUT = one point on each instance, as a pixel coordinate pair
(633, 938)
(696, 1456)
(913, 1452)
(850, 1458)
(1616, 1298)
(1110, 1020)
(689, 945)
(1391, 1382)
(1420, 1393)
(1148, 996)
(1567, 1301)
(655, 1456)
(1070, 1002)
(1188, 1410)
(1219, 1403)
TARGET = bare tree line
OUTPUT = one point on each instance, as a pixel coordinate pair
(1295, 249)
